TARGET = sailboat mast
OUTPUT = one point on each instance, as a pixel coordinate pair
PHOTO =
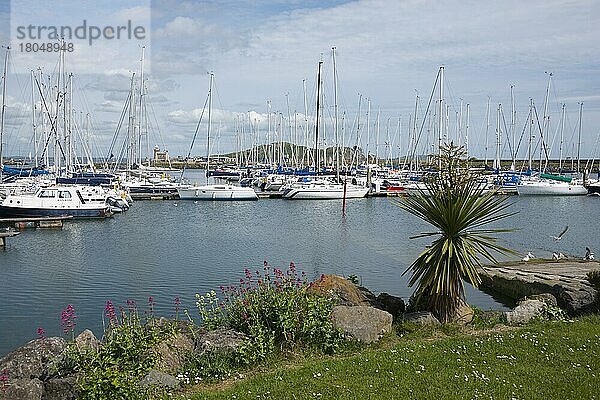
(513, 121)
(317, 116)
(441, 117)
(2, 110)
(579, 136)
(141, 110)
(497, 158)
(210, 85)
(530, 133)
(467, 131)
(487, 129)
(562, 128)
(335, 108)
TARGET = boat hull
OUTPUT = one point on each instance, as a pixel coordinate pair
(311, 193)
(217, 193)
(550, 189)
(78, 213)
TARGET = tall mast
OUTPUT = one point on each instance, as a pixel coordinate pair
(317, 117)
(141, 110)
(33, 118)
(530, 133)
(210, 85)
(546, 127)
(2, 110)
(377, 137)
(467, 131)
(497, 158)
(513, 121)
(579, 136)
(413, 138)
(487, 128)
(368, 128)
(562, 127)
(305, 155)
(441, 117)
(335, 107)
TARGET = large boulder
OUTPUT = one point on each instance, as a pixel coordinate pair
(37, 359)
(87, 341)
(172, 352)
(421, 318)
(364, 323)
(61, 389)
(23, 389)
(220, 341)
(160, 379)
(392, 304)
(342, 291)
(525, 311)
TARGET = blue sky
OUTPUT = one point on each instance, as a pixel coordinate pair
(386, 51)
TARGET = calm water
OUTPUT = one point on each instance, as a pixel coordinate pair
(162, 250)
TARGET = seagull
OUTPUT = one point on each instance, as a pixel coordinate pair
(196, 202)
(528, 257)
(175, 204)
(588, 254)
(557, 238)
(555, 256)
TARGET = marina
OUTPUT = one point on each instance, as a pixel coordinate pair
(169, 249)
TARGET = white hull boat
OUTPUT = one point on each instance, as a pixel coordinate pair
(544, 187)
(55, 201)
(216, 192)
(322, 190)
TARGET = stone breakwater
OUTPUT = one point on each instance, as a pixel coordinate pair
(565, 279)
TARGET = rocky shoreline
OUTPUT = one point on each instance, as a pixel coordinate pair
(40, 370)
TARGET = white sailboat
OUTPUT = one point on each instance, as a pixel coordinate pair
(217, 191)
(551, 185)
(321, 189)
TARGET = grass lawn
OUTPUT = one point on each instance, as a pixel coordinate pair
(550, 360)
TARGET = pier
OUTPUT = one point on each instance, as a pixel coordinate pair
(565, 279)
(35, 222)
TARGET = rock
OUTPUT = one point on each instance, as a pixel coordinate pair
(220, 341)
(38, 359)
(363, 323)
(172, 353)
(61, 389)
(87, 341)
(421, 318)
(23, 389)
(463, 315)
(343, 292)
(525, 312)
(392, 304)
(547, 298)
(157, 378)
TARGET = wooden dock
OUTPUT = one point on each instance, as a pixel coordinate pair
(565, 279)
(35, 222)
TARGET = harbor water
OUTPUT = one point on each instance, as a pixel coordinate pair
(168, 249)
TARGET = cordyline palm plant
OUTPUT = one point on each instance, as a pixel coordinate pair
(457, 204)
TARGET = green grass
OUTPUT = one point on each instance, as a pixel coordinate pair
(551, 360)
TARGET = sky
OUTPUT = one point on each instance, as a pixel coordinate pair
(261, 52)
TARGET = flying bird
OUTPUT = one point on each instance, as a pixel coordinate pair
(557, 238)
